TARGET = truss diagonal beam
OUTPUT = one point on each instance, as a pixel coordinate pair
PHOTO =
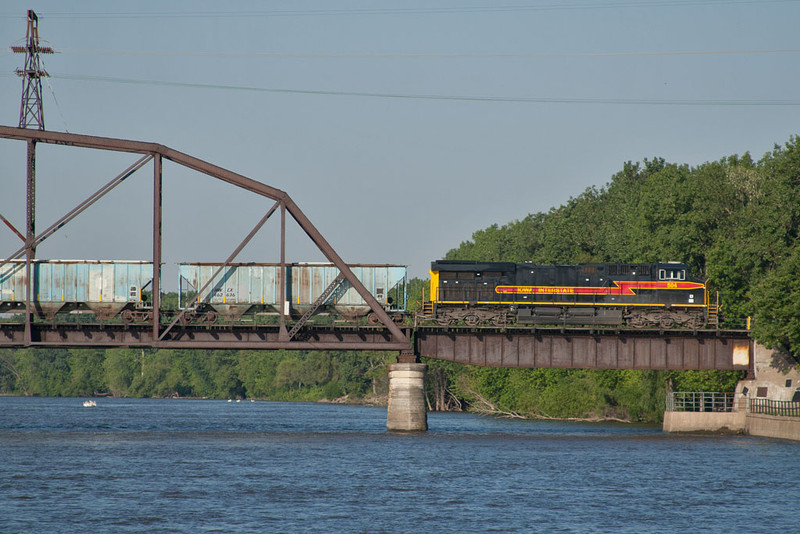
(331, 254)
(233, 255)
(97, 195)
(8, 223)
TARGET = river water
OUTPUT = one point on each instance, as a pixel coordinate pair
(136, 465)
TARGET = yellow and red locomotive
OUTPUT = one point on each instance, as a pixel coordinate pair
(632, 294)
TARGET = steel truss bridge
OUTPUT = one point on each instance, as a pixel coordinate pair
(601, 348)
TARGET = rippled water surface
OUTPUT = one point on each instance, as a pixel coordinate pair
(214, 466)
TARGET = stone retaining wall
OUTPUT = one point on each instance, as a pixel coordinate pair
(773, 426)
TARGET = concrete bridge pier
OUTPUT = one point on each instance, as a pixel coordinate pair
(407, 411)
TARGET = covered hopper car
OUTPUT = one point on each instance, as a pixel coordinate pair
(633, 294)
(247, 288)
(122, 289)
(105, 288)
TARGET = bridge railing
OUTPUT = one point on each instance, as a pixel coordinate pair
(699, 401)
(773, 407)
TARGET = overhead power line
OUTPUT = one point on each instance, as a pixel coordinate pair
(434, 10)
(403, 55)
(463, 98)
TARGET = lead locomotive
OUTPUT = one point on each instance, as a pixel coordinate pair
(633, 294)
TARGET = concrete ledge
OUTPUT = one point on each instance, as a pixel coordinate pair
(704, 421)
(773, 426)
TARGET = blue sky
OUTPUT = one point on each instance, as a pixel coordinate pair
(399, 128)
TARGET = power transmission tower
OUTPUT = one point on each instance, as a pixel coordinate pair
(31, 112)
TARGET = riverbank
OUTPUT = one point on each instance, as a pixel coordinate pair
(776, 381)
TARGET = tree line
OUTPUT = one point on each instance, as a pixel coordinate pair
(275, 375)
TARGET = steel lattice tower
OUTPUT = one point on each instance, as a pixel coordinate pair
(31, 113)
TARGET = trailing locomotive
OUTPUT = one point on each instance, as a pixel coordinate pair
(633, 294)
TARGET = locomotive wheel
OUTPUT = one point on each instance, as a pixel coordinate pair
(443, 320)
(499, 320)
(666, 322)
(398, 318)
(637, 321)
(188, 317)
(472, 319)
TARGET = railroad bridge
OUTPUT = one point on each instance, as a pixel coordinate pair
(540, 347)
(600, 348)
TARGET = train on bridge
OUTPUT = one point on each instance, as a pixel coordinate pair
(461, 292)
(207, 291)
(632, 294)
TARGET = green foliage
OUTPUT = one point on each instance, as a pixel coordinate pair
(277, 375)
(704, 380)
(414, 291)
(120, 367)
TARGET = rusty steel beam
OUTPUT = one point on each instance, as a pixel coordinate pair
(30, 233)
(284, 333)
(523, 348)
(97, 335)
(157, 207)
(556, 349)
(11, 226)
(139, 147)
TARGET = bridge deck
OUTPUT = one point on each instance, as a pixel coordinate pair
(543, 347)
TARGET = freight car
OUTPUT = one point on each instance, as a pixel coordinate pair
(123, 290)
(254, 288)
(105, 288)
(633, 294)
